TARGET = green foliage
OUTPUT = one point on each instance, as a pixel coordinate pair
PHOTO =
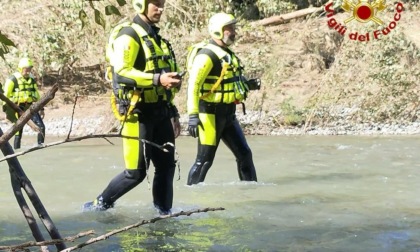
(54, 45)
(5, 43)
(83, 18)
(99, 16)
(291, 115)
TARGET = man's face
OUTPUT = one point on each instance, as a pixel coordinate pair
(154, 10)
(26, 71)
(229, 34)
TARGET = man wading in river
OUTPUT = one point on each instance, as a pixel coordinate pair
(145, 79)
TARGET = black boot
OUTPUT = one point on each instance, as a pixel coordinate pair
(17, 142)
(40, 139)
(96, 205)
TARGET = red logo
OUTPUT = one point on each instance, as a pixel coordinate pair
(363, 11)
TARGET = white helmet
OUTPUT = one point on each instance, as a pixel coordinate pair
(139, 6)
(24, 63)
(217, 22)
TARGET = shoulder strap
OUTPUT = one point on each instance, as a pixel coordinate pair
(130, 31)
(124, 28)
(217, 65)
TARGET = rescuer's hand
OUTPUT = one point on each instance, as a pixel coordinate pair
(193, 124)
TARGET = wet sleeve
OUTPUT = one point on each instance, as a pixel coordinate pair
(125, 54)
(201, 67)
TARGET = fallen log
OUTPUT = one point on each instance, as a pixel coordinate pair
(284, 18)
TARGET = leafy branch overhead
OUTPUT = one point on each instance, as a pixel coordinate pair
(99, 16)
(5, 43)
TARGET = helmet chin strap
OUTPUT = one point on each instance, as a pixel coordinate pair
(148, 19)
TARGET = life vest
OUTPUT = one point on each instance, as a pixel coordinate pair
(158, 59)
(24, 90)
(225, 82)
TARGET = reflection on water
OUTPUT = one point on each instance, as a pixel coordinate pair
(338, 193)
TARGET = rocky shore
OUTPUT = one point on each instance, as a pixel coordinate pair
(253, 123)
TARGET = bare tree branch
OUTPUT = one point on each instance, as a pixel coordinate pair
(19, 111)
(68, 140)
(72, 117)
(116, 231)
(19, 180)
(27, 213)
(27, 115)
(107, 235)
(45, 243)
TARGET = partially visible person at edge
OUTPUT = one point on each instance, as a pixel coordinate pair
(144, 62)
(22, 89)
(215, 86)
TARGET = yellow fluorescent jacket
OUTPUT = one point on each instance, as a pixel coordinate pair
(123, 58)
(25, 92)
(232, 89)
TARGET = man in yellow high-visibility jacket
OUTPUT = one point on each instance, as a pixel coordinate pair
(215, 86)
(22, 89)
(144, 63)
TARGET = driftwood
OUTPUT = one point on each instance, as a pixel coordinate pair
(27, 115)
(281, 19)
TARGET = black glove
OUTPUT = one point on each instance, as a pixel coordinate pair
(254, 84)
(193, 124)
(173, 111)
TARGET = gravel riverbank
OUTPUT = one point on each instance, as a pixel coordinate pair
(253, 123)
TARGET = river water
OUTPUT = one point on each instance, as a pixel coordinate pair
(315, 193)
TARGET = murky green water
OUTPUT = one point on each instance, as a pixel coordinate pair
(315, 193)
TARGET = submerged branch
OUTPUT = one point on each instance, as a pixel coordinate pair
(116, 231)
(107, 235)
